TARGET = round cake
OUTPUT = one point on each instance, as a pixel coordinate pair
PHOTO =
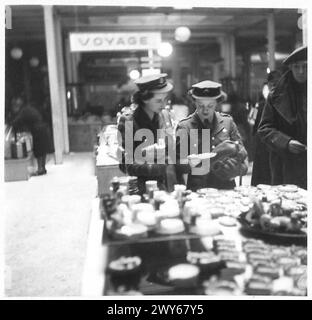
(146, 207)
(125, 272)
(227, 221)
(124, 264)
(206, 261)
(287, 188)
(170, 208)
(147, 218)
(216, 212)
(205, 227)
(171, 226)
(131, 231)
(183, 275)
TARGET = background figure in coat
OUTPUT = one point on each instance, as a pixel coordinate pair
(147, 112)
(222, 135)
(283, 126)
(26, 117)
(261, 172)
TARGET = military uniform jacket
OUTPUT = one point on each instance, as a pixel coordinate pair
(222, 128)
(145, 171)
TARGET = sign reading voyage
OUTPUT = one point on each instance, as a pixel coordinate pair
(99, 41)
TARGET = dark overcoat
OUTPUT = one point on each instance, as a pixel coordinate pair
(285, 118)
(30, 119)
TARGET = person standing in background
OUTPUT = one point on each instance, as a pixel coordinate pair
(283, 126)
(261, 172)
(26, 117)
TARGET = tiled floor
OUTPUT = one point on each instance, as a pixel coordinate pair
(47, 221)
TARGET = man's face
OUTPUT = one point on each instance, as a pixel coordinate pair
(205, 107)
(299, 71)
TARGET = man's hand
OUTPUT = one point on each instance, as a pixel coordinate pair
(296, 147)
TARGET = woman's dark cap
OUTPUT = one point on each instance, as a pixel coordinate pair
(156, 83)
(300, 54)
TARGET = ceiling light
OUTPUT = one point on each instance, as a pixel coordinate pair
(165, 49)
(16, 53)
(134, 74)
(182, 34)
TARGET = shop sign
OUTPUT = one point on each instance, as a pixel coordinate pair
(98, 41)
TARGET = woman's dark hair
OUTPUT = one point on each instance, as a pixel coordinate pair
(140, 96)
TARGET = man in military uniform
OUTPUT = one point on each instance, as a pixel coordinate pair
(221, 138)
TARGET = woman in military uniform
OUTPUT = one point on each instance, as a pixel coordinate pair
(221, 138)
(149, 113)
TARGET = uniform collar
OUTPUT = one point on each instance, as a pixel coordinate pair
(217, 122)
(144, 120)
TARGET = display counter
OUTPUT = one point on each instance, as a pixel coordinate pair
(106, 162)
(82, 135)
(281, 261)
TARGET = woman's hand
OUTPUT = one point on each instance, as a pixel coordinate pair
(194, 160)
(296, 147)
(155, 151)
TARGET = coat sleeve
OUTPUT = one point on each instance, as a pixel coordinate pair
(235, 136)
(135, 169)
(20, 119)
(182, 165)
(242, 153)
(275, 140)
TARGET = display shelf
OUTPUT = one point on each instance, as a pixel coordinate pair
(156, 254)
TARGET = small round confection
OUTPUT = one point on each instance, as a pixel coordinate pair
(227, 221)
(131, 231)
(124, 264)
(287, 262)
(170, 209)
(125, 272)
(171, 226)
(206, 227)
(264, 186)
(291, 195)
(206, 261)
(287, 188)
(183, 275)
(216, 212)
(147, 218)
(283, 286)
(146, 207)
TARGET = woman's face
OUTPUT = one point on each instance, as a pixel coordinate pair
(157, 103)
(299, 71)
(205, 107)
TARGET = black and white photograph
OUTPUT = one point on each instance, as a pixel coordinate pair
(155, 149)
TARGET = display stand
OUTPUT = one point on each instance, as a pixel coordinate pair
(82, 136)
(107, 167)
